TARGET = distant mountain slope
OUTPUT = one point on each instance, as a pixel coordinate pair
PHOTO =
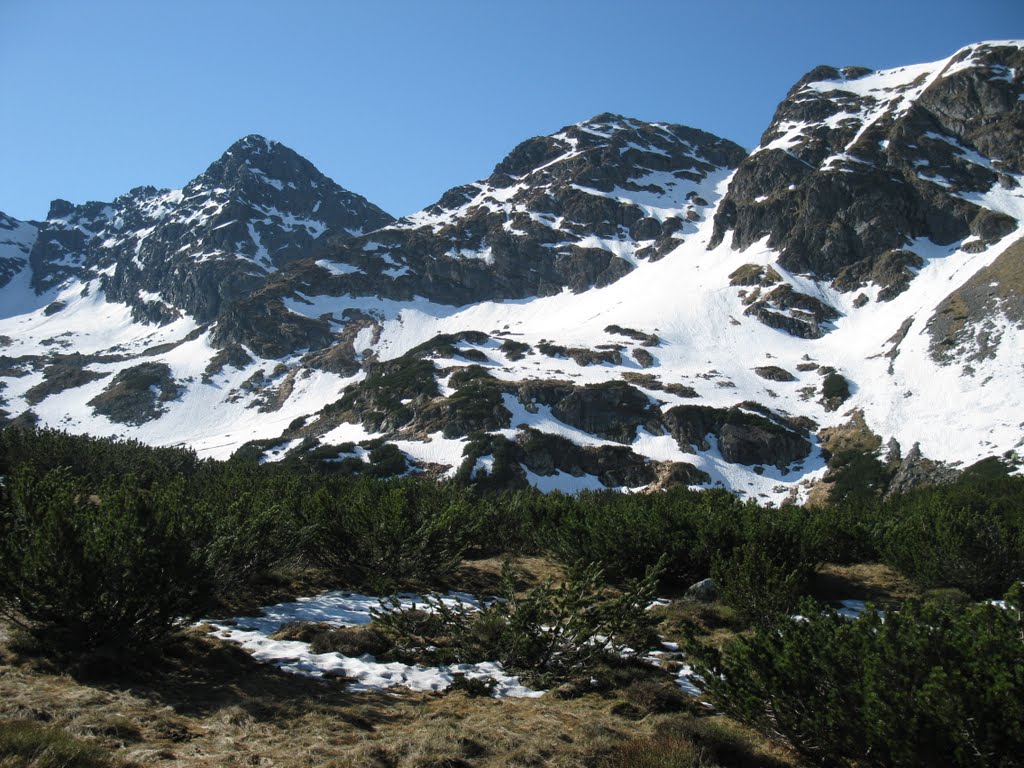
(16, 241)
(620, 304)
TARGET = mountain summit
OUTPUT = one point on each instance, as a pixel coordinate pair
(169, 253)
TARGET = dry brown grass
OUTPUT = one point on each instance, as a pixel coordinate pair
(699, 742)
(854, 435)
(483, 576)
(209, 704)
(872, 582)
(711, 623)
(28, 744)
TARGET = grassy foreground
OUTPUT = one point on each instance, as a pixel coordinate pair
(207, 703)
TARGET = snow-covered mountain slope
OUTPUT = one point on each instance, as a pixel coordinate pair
(577, 209)
(16, 241)
(857, 164)
(614, 307)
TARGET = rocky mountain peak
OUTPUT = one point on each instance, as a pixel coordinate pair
(608, 147)
(257, 158)
(267, 175)
(858, 165)
(59, 209)
(168, 253)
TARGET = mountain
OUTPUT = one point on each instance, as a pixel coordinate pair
(858, 165)
(619, 304)
(578, 209)
(187, 252)
(16, 241)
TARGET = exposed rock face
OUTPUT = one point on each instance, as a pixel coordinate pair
(892, 271)
(58, 377)
(546, 455)
(136, 395)
(16, 240)
(194, 250)
(267, 327)
(743, 437)
(856, 164)
(915, 471)
(774, 373)
(793, 312)
(968, 325)
(612, 410)
(477, 405)
(755, 274)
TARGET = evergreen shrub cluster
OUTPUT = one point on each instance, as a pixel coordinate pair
(931, 684)
(93, 527)
(550, 633)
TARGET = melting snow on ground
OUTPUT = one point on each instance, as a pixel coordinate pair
(363, 673)
(344, 609)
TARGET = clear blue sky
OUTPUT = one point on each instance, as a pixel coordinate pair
(401, 100)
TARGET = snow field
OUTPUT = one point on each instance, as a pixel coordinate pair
(342, 609)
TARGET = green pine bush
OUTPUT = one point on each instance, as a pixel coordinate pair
(929, 685)
(550, 633)
(83, 571)
(969, 535)
(385, 536)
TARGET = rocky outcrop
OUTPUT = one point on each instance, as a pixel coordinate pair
(915, 471)
(743, 437)
(892, 271)
(969, 324)
(774, 373)
(58, 377)
(611, 354)
(704, 591)
(136, 395)
(269, 329)
(545, 455)
(477, 405)
(612, 410)
(755, 274)
(856, 164)
(646, 339)
(614, 466)
(791, 311)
